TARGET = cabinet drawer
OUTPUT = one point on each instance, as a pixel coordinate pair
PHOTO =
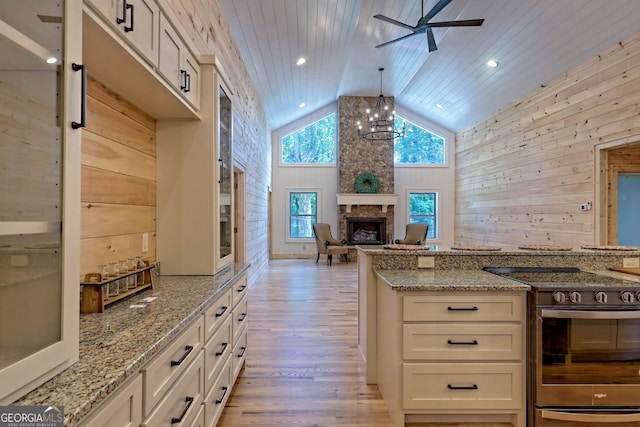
(463, 308)
(122, 409)
(160, 374)
(216, 352)
(240, 288)
(216, 314)
(240, 318)
(199, 420)
(462, 385)
(181, 404)
(239, 352)
(218, 395)
(462, 341)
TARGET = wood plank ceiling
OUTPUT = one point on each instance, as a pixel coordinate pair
(533, 41)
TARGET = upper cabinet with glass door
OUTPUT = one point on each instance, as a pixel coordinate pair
(40, 94)
(225, 172)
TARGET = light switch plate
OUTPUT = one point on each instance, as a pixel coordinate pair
(426, 262)
(145, 242)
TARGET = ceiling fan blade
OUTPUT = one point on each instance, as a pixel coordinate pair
(435, 10)
(394, 22)
(466, 23)
(397, 40)
(431, 41)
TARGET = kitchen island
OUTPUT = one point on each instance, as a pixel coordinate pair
(115, 346)
(417, 312)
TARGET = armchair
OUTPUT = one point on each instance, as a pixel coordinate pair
(415, 234)
(327, 245)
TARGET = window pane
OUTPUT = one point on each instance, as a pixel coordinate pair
(422, 210)
(418, 146)
(313, 144)
(303, 214)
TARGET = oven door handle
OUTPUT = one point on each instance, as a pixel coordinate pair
(590, 418)
(592, 314)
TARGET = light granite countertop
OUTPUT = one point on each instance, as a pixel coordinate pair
(114, 345)
(448, 280)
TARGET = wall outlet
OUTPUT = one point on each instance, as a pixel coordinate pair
(586, 227)
(426, 262)
(145, 242)
(630, 262)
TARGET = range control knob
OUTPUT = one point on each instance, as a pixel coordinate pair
(559, 297)
(601, 297)
(575, 297)
(627, 296)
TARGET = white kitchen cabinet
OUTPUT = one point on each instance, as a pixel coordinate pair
(176, 63)
(122, 409)
(454, 357)
(40, 154)
(136, 20)
(195, 203)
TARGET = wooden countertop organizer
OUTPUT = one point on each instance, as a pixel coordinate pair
(95, 288)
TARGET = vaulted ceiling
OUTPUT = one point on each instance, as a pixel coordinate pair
(533, 41)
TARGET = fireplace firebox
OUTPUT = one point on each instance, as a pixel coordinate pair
(366, 231)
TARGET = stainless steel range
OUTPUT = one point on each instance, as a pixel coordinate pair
(584, 347)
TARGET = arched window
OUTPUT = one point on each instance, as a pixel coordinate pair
(419, 146)
(313, 144)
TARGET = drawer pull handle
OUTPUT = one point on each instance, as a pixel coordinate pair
(83, 99)
(189, 401)
(474, 308)
(222, 311)
(242, 352)
(474, 342)
(242, 317)
(224, 393)
(221, 352)
(187, 349)
(241, 288)
(455, 387)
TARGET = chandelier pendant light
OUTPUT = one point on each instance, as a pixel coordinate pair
(380, 122)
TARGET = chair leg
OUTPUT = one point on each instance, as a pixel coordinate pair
(318, 257)
(329, 258)
(346, 258)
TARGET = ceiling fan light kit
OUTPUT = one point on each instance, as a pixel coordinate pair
(380, 122)
(425, 27)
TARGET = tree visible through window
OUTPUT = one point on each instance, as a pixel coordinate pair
(418, 146)
(315, 143)
(422, 210)
(303, 213)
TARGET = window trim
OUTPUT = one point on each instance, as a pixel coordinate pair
(318, 192)
(409, 191)
(448, 136)
(305, 121)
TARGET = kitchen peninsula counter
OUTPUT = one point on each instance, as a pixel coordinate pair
(116, 344)
(445, 341)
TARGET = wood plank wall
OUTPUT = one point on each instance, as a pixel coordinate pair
(522, 174)
(118, 180)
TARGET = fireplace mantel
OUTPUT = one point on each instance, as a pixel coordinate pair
(367, 199)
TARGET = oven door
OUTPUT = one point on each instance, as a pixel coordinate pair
(587, 358)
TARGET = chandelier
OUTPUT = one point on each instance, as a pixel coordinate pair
(380, 123)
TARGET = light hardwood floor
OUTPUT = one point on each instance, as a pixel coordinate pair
(302, 366)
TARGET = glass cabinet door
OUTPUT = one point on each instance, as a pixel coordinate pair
(225, 231)
(33, 292)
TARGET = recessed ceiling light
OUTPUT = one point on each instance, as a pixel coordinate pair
(301, 61)
(438, 105)
(492, 63)
(302, 105)
(52, 60)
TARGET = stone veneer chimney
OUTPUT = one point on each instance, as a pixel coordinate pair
(358, 155)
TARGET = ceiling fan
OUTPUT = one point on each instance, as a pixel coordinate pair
(424, 26)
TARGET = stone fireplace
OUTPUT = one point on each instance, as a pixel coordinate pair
(366, 231)
(356, 156)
